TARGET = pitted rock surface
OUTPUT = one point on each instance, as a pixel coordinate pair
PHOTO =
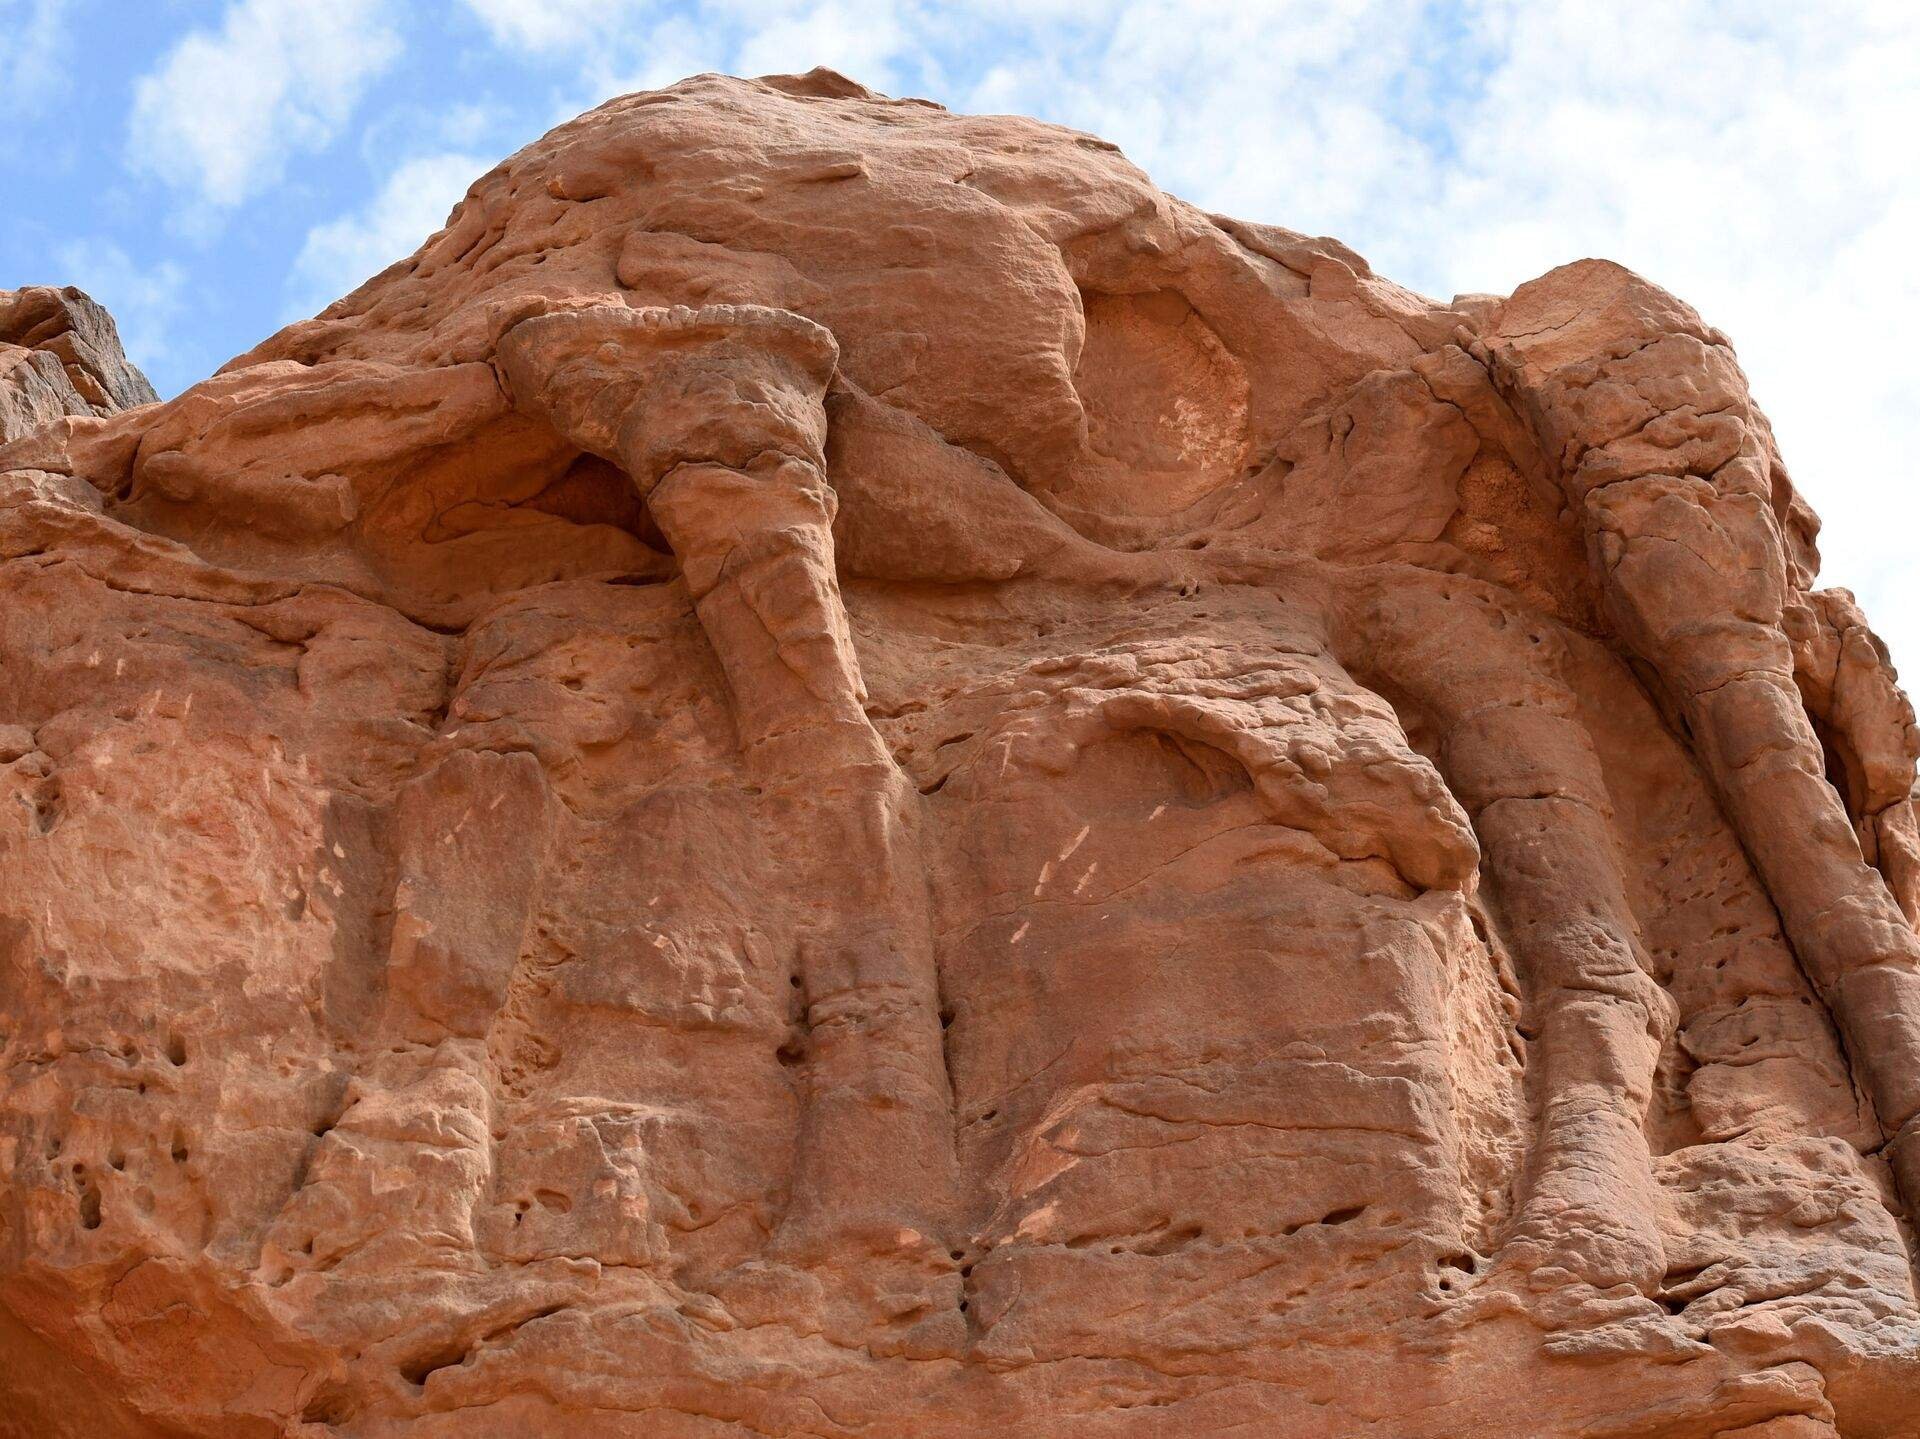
(833, 771)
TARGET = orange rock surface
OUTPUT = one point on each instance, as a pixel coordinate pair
(833, 771)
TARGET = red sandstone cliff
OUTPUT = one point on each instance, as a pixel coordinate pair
(834, 771)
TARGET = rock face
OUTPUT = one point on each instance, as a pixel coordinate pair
(834, 771)
(60, 355)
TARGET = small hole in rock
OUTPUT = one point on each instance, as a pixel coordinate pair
(327, 1408)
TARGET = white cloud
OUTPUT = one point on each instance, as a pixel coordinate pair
(1278, 107)
(411, 205)
(33, 40)
(226, 108)
(670, 51)
(753, 35)
(417, 126)
(146, 304)
(553, 25)
(856, 37)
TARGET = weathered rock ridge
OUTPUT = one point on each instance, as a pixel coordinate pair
(834, 771)
(60, 355)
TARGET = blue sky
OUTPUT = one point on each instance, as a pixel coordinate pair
(213, 168)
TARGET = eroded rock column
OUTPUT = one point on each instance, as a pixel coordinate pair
(1516, 756)
(1699, 548)
(718, 417)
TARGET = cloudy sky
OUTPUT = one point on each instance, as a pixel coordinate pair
(213, 168)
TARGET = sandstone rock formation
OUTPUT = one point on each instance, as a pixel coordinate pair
(834, 771)
(60, 355)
